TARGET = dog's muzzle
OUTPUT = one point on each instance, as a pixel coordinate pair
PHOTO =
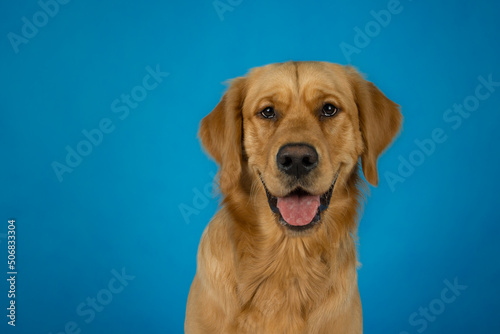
(299, 210)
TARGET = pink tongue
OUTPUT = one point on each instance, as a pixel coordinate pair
(298, 211)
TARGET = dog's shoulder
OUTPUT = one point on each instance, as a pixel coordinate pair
(215, 253)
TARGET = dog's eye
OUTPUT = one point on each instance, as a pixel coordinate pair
(268, 112)
(329, 110)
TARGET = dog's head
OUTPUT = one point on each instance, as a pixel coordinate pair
(299, 128)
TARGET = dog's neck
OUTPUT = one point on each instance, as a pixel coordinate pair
(277, 269)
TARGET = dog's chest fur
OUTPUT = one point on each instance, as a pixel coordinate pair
(284, 282)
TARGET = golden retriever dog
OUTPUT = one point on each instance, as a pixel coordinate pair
(280, 254)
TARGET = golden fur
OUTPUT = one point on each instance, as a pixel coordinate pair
(254, 275)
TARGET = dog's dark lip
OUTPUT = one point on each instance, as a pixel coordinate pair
(324, 203)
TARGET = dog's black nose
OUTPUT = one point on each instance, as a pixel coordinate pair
(297, 159)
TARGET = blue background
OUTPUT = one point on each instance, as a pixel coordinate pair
(121, 205)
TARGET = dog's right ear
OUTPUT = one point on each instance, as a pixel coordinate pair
(220, 134)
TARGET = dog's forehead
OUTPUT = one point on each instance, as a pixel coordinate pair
(297, 78)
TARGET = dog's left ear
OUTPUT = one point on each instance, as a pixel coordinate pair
(380, 121)
(220, 134)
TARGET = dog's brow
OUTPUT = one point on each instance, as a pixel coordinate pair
(270, 99)
(322, 96)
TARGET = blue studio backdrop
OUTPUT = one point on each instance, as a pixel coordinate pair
(103, 174)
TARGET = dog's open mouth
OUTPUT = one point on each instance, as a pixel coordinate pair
(299, 210)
